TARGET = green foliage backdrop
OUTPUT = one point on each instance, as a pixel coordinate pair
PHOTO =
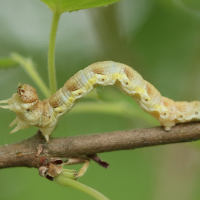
(158, 38)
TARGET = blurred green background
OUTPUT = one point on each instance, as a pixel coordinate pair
(158, 38)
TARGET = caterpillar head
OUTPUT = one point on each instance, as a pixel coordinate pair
(22, 103)
(27, 93)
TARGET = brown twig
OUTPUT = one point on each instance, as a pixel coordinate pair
(25, 153)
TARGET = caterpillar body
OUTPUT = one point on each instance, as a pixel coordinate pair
(44, 114)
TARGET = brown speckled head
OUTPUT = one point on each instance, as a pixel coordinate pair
(27, 93)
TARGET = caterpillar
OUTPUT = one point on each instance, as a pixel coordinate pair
(44, 114)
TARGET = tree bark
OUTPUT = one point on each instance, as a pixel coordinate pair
(27, 152)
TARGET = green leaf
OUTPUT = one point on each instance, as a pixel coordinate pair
(7, 63)
(74, 5)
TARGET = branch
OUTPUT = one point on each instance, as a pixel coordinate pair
(24, 153)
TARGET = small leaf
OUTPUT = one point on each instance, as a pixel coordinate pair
(74, 5)
(7, 63)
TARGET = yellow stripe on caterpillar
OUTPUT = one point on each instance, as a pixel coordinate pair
(92, 81)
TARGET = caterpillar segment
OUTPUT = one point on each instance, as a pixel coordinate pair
(44, 114)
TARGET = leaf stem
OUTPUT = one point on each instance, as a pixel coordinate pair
(51, 52)
(28, 65)
(61, 180)
(113, 108)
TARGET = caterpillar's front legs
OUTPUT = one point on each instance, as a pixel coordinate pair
(15, 121)
(5, 102)
(9, 106)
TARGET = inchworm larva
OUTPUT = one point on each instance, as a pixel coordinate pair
(45, 114)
